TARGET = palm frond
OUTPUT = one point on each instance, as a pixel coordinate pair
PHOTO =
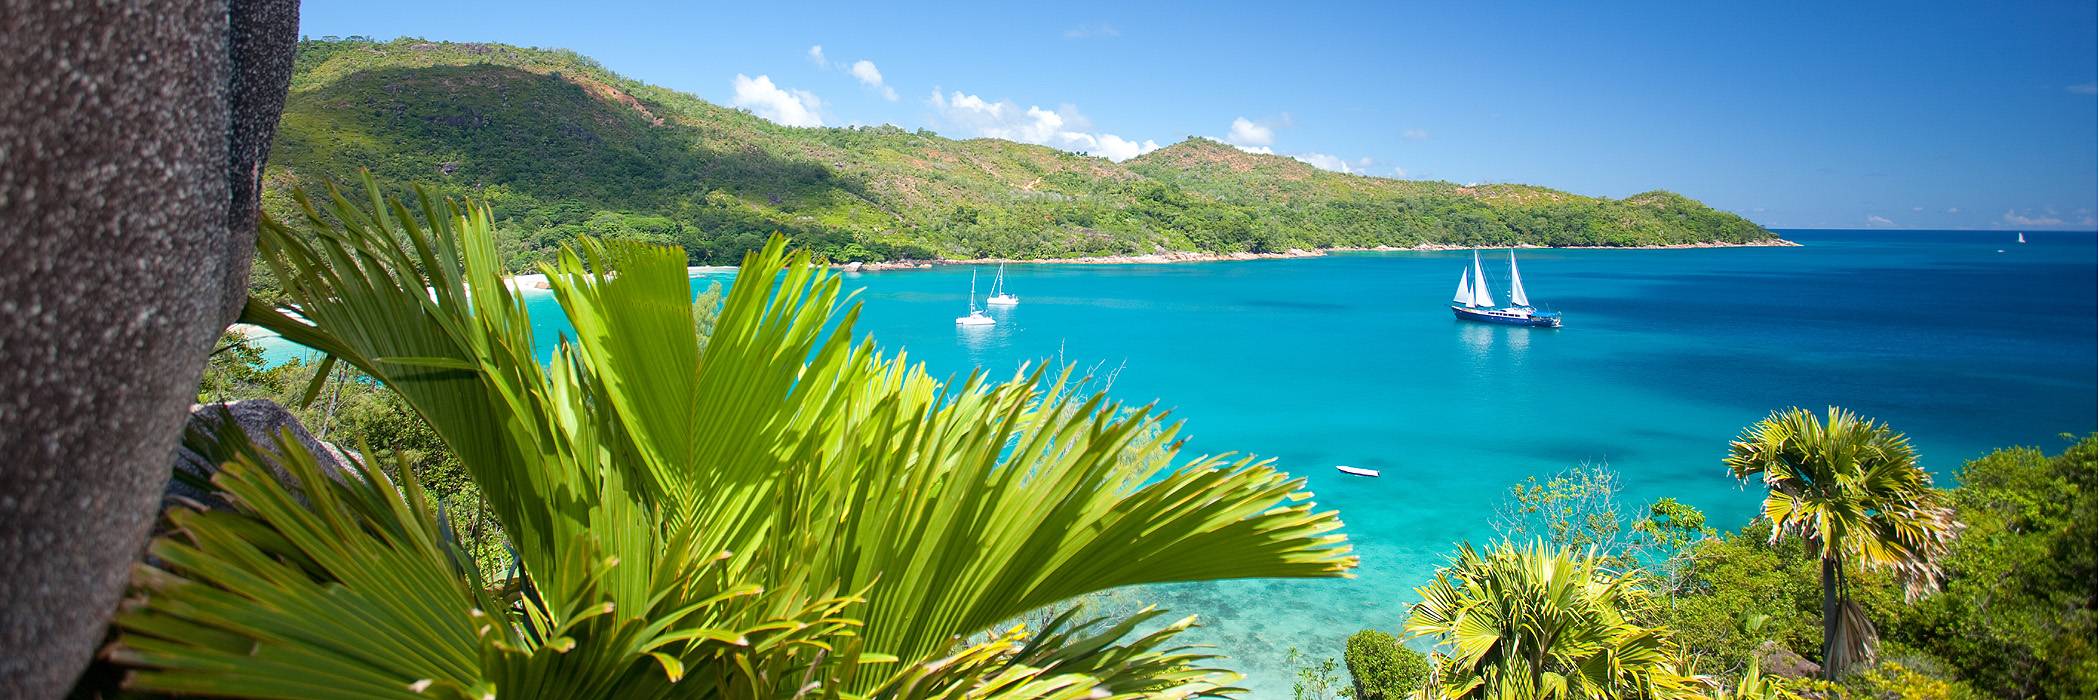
(780, 504)
(1541, 622)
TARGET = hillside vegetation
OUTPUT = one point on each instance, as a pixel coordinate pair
(562, 147)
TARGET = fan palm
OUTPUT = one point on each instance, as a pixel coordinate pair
(1542, 622)
(1852, 489)
(781, 510)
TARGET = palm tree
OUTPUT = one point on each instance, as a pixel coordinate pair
(1538, 621)
(1852, 489)
(782, 511)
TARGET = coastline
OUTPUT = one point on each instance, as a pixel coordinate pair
(1182, 256)
(538, 282)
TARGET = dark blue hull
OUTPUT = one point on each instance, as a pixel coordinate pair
(1509, 317)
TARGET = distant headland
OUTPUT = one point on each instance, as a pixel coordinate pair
(562, 147)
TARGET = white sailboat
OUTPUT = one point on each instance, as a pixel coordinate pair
(2023, 236)
(1001, 297)
(976, 317)
(1473, 301)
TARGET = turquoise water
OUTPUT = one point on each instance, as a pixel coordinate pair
(1353, 359)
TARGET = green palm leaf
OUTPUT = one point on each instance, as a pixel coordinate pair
(1536, 622)
(645, 476)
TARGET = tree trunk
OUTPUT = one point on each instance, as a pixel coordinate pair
(1830, 619)
(132, 136)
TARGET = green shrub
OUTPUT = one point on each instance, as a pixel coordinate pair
(1892, 680)
(1381, 668)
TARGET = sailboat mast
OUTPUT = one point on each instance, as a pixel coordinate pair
(973, 291)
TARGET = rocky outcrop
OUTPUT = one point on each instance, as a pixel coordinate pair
(1777, 660)
(132, 138)
(260, 423)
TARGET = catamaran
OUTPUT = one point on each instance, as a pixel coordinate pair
(1001, 297)
(1475, 303)
(976, 317)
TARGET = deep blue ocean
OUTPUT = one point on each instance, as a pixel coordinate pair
(1964, 340)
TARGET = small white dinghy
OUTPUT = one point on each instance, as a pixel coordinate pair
(1355, 471)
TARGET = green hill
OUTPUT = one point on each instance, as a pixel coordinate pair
(562, 147)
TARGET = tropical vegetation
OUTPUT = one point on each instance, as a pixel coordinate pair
(1538, 621)
(1382, 668)
(1852, 489)
(781, 511)
(1743, 614)
(560, 147)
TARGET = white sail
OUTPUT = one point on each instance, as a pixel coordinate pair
(1481, 295)
(2023, 237)
(1465, 288)
(1516, 284)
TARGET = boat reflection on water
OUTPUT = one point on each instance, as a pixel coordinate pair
(976, 338)
(1482, 341)
(1478, 338)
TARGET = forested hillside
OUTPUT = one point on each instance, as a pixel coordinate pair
(562, 147)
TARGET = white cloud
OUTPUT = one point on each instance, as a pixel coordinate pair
(1399, 172)
(1415, 135)
(816, 55)
(1064, 128)
(1093, 31)
(1260, 137)
(1325, 162)
(1917, 209)
(864, 70)
(1954, 210)
(1117, 148)
(2023, 220)
(1247, 133)
(2083, 88)
(1874, 220)
(780, 106)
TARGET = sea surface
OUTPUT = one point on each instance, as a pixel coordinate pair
(1966, 341)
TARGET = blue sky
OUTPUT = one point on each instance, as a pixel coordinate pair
(1844, 115)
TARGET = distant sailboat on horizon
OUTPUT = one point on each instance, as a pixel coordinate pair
(1474, 302)
(1001, 297)
(976, 317)
(2023, 236)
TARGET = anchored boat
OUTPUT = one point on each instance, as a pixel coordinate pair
(1001, 297)
(1475, 303)
(1355, 471)
(976, 317)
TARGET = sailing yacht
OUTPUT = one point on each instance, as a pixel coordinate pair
(1475, 303)
(2023, 236)
(1001, 297)
(976, 317)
